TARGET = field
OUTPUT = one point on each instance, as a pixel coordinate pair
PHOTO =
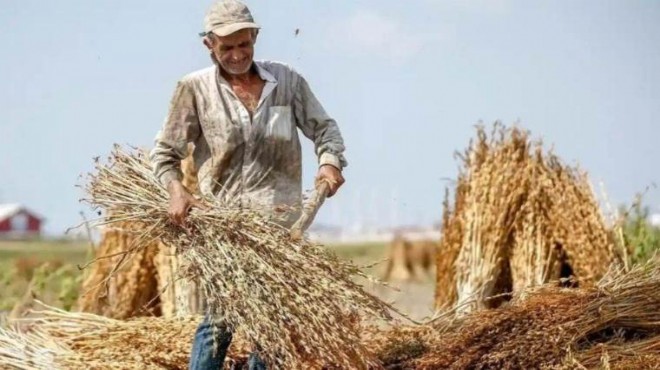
(415, 298)
(52, 266)
(49, 269)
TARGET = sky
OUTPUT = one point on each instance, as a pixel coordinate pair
(407, 81)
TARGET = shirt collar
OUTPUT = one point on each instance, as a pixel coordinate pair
(263, 73)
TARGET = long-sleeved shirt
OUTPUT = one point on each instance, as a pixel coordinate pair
(251, 161)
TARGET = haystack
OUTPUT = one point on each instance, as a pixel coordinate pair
(409, 259)
(129, 291)
(520, 219)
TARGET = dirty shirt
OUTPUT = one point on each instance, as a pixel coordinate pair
(241, 160)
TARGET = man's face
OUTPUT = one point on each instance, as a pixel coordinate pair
(234, 52)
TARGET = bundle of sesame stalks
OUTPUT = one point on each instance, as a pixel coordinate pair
(294, 300)
(57, 339)
(519, 218)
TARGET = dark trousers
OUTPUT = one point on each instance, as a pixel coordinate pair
(205, 357)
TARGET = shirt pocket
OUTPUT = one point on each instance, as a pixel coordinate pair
(280, 123)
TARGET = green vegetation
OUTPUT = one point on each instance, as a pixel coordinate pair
(358, 253)
(48, 269)
(44, 250)
(642, 239)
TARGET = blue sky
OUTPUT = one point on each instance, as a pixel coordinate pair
(406, 80)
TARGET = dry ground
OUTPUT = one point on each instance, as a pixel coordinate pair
(414, 298)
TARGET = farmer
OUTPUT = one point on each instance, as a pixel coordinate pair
(242, 117)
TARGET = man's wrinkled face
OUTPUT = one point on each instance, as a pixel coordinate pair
(234, 52)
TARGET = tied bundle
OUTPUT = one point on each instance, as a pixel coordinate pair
(520, 218)
(58, 339)
(292, 299)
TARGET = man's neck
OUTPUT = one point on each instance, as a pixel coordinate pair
(246, 86)
(243, 78)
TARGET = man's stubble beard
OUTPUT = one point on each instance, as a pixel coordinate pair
(229, 70)
(236, 73)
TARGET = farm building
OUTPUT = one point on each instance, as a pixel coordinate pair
(16, 221)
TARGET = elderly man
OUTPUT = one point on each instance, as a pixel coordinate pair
(242, 117)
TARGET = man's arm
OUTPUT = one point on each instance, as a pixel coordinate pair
(316, 125)
(171, 146)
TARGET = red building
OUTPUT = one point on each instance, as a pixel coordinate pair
(17, 221)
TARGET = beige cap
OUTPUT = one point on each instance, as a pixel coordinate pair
(225, 17)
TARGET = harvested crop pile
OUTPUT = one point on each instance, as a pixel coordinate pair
(614, 325)
(520, 219)
(63, 340)
(294, 297)
(131, 290)
(409, 259)
(617, 322)
(452, 229)
(143, 285)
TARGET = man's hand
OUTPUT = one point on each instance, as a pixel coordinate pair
(181, 201)
(332, 175)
